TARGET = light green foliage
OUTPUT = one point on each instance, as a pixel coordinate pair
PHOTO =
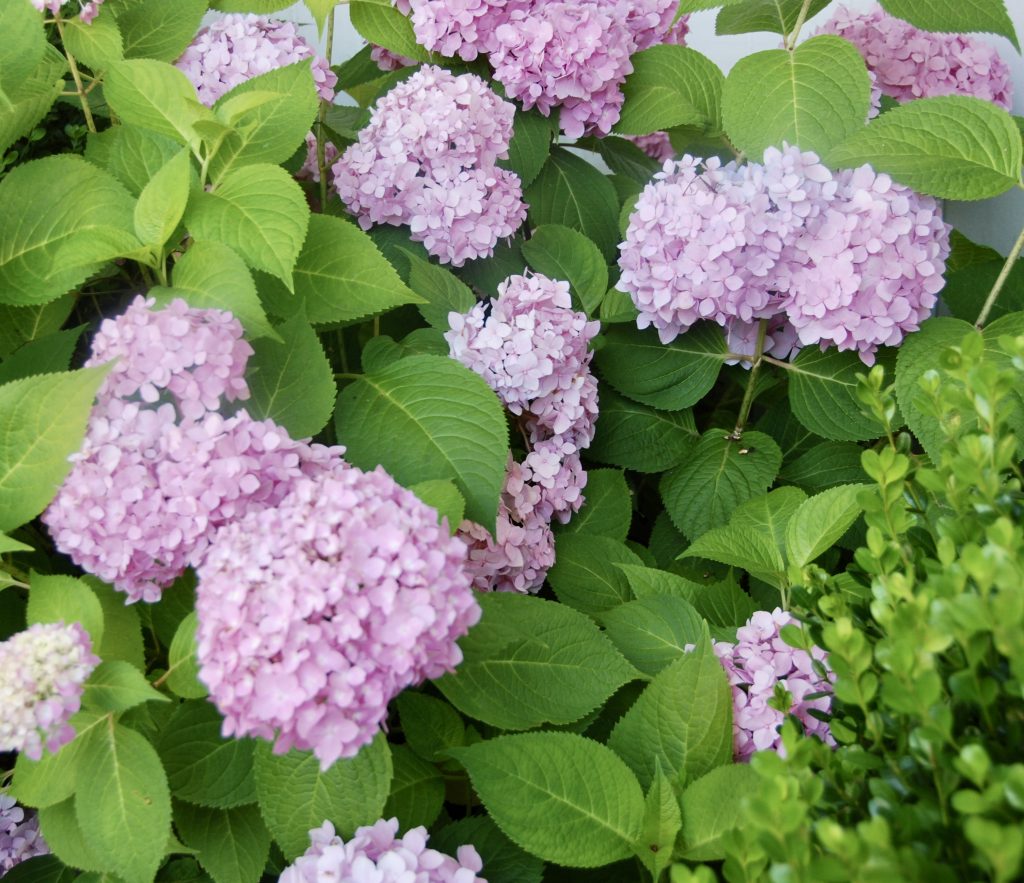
(47, 355)
(711, 810)
(531, 142)
(117, 686)
(561, 253)
(65, 599)
(155, 29)
(653, 632)
(585, 575)
(162, 202)
(182, 666)
(98, 44)
(441, 290)
(382, 24)
(776, 16)
(443, 496)
(955, 15)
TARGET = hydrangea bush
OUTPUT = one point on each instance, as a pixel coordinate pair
(520, 452)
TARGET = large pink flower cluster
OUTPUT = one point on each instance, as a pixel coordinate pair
(851, 260)
(376, 854)
(771, 680)
(42, 672)
(532, 349)
(572, 54)
(317, 612)
(909, 63)
(236, 48)
(20, 839)
(427, 159)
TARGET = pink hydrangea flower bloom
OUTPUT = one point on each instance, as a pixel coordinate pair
(376, 854)
(427, 160)
(909, 63)
(516, 559)
(42, 673)
(20, 839)
(760, 665)
(236, 48)
(780, 341)
(465, 28)
(317, 612)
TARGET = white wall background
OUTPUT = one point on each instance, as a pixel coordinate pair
(995, 222)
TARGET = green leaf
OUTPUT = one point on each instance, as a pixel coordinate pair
(340, 276)
(9, 544)
(722, 604)
(123, 806)
(429, 417)
(967, 289)
(47, 355)
(700, 5)
(291, 381)
(417, 790)
(653, 632)
(666, 376)
(530, 662)
(825, 465)
(53, 779)
(443, 496)
(122, 631)
(442, 291)
(585, 576)
(561, 253)
(272, 131)
(59, 826)
(719, 474)
(505, 862)
(132, 154)
(530, 145)
(260, 212)
(260, 7)
(202, 766)
(382, 24)
(560, 796)
(23, 46)
(233, 844)
(42, 422)
(775, 16)
(33, 96)
(683, 719)
(662, 823)
(955, 16)
(712, 808)
(608, 509)
(671, 86)
(21, 325)
(320, 9)
(431, 726)
(296, 796)
(162, 202)
(51, 207)
(42, 869)
(155, 96)
(820, 521)
(65, 599)
(98, 44)
(816, 96)
(158, 29)
(953, 147)
(211, 276)
(571, 192)
(117, 686)
(182, 666)
(639, 437)
(823, 394)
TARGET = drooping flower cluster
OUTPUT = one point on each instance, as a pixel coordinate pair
(427, 160)
(376, 854)
(160, 470)
(317, 612)
(42, 671)
(20, 839)
(572, 54)
(531, 348)
(86, 14)
(909, 63)
(851, 260)
(771, 680)
(236, 48)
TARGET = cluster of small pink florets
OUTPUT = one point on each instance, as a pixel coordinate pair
(908, 63)
(531, 348)
(42, 671)
(375, 854)
(427, 159)
(851, 260)
(317, 612)
(572, 54)
(771, 680)
(20, 839)
(86, 14)
(237, 48)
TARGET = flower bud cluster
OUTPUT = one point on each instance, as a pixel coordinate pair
(20, 839)
(532, 349)
(909, 63)
(375, 854)
(427, 159)
(42, 671)
(236, 48)
(851, 259)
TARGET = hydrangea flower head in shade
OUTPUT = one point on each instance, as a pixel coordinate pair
(376, 854)
(236, 48)
(42, 673)
(314, 614)
(427, 160)
(909, 63)
(771, 680)
(20, 839)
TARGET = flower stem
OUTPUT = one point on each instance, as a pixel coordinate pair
(748, 396)
(76, 75)
(800, 19)
(1004, 274)
(321, 140)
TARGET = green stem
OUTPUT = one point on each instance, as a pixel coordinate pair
(77, 77)
(1011, 260)
(321, 140)
(748, 395)
(801, 18)
(347, 375)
